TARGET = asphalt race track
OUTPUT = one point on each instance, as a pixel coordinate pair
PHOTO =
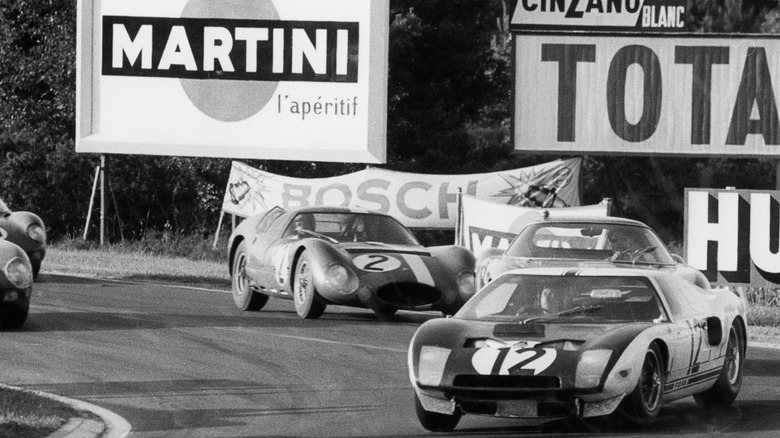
(178, 362)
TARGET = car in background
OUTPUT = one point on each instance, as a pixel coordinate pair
(550, 343)
(16, 280)
(576, 241)
(318, 256)
(27, 230)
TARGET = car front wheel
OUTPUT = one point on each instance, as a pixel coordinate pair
(307, 303)
(243, 296)
(644, 402)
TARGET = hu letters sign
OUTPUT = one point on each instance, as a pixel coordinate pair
(733, 236)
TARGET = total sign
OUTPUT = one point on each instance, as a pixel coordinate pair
(269, 79)
(733, 236)
(647, 94)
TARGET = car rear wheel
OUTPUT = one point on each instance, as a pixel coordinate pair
(729, 382)
(308, 304)
(644, 402)
(36, 268)
(244, 297)
(434, 421)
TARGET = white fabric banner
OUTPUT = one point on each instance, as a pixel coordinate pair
(417, 200)
(490, 225)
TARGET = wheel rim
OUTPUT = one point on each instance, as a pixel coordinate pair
(239, 276)
(733, 359)
(302, 283)
(651, 382)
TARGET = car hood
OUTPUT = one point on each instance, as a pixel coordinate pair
(528, 262)
(488, 355)
(374, 247)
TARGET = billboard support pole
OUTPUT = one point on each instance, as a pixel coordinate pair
(91, 200)
(102, 199)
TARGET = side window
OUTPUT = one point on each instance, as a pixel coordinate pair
(268, 219)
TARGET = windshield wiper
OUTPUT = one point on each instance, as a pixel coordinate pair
(573, 310)
(316, 234)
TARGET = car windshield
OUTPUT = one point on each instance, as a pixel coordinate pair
(4, 208)
(350, 227)
(525, 298)
(590, 241)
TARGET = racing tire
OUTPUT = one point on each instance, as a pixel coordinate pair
(308, 304)
(36, 268)
(434, 421)
(15, 318)
(384, 311)
(643, 404)
(729, 382)
(243, 296)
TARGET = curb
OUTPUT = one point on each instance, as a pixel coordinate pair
(109, 425)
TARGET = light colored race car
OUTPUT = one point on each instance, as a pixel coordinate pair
(582, 241)
(548, 343)
(329, 255)
(25, 229)
(16, 280)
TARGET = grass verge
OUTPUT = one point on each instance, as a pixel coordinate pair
(25, 414)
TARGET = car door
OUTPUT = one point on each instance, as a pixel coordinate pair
(266, 233)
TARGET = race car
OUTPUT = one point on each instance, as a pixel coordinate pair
(25, 229)
(549, 343)
(16, 280)
(345, 256)
(575, 241)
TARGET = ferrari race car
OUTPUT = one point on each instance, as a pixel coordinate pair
(575, 241)
(26, 230)
(16, 280)
(549, 343)
(330, 255)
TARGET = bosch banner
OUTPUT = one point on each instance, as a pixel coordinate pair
(417, 200)
(647, 94)
(733, 236)
(270, 79)
(486, 224)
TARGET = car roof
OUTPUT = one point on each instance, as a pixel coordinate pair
(611, 220)
(603, 269)
(330, 209)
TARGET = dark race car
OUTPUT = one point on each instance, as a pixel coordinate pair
(547, 343)
(15, 284)
(26, 230)
(329, 255)
(580, 241)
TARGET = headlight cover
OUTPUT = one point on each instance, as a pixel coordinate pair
(431, 365)
(37, 233)
(590, 368)
(339, 278)
(18, 273)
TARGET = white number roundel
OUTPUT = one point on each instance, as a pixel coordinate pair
(376, 262)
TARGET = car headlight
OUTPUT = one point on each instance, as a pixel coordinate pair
(590, 368)
(18, 273)
(432, 362)
(339, 278)
(37, 233)
(466, 285)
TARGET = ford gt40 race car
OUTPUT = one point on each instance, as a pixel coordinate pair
(576, 241)
(558, 342)
(26, 230)
(16, 280)
(329, 255)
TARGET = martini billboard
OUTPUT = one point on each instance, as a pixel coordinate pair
(265, 79)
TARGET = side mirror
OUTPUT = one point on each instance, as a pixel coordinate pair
(678, 258)
(714, 331)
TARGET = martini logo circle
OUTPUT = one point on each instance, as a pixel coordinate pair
(230, 55)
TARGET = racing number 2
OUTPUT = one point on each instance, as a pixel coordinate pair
(376, 262)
